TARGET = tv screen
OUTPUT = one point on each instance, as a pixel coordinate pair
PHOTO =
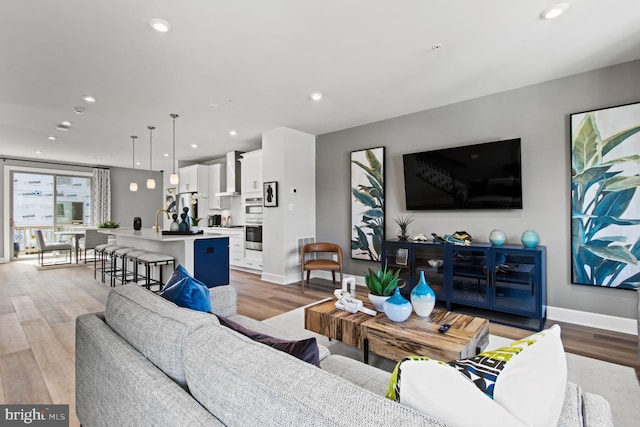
(479, 176)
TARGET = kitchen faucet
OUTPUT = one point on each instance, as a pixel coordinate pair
(156, 227)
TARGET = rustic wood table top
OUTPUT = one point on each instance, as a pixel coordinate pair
(467, 336)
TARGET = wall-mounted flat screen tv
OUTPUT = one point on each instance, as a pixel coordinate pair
(479, 176)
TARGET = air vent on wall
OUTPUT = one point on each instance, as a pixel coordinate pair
(303, 241)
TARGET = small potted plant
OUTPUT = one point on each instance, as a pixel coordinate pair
(109, 224)
(194, 224)
(403, 222)
(381, 285)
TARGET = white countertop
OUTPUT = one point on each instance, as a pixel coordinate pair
(150, 234)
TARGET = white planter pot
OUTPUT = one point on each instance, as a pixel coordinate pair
(377, 301)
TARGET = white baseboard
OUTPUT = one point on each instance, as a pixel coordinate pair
(593, 320)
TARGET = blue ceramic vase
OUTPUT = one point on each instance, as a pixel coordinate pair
(530, 239)
(397, 308)
(497, 238)
(423, 298)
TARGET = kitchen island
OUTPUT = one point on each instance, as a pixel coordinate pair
(205, 256)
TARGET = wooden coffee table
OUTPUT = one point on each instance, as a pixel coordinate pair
(467, 336)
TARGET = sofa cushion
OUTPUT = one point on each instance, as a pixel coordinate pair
(266, 328)
(523, 383)
(154, 326)
(306, 349)
(246, 383)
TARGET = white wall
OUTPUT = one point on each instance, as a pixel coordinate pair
(288, 157)
(539, 115)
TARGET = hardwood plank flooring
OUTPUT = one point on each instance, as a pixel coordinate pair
(37, 326)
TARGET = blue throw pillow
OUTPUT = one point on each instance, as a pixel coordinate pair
(189, 292)
(178, 274)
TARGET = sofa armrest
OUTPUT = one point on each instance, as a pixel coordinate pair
(224, 300)
(596, 411)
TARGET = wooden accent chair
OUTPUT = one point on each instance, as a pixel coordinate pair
(320, 263)
(91, 239)
(50, 247)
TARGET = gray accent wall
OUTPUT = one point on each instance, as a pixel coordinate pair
(539, 115)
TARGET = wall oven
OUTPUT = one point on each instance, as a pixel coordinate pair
(253, 237)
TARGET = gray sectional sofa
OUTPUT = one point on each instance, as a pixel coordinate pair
(147, 362)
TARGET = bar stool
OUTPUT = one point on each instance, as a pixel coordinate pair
(121, 272)
(155, 260)
(108, 253)
(99, 254)
(133, 258)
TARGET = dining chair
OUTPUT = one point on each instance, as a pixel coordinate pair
(50, 247)
(311, 251)
(92, 238)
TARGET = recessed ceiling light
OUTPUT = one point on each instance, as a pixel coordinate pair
(554, 11)
(38, 152)
(316, 96)
(160, 25)
(62, 128)
(65, 123)
(138, 163)
(233, 133)
(166, 154)
(194, 145)
(78, 110)
(88, 98)
(51, 138)
(213, 105)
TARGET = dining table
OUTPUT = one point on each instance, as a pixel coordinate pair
(76, 235)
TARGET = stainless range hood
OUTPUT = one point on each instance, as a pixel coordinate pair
(233, 175)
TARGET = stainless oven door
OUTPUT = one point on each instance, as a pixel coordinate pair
(253, 237)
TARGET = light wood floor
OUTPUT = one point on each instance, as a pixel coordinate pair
(37, 327)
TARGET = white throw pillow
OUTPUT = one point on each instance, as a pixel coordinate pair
(522, 384)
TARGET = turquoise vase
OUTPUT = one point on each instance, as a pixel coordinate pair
(530, 239)
(497, 238)
(397, 308)
(423, 298)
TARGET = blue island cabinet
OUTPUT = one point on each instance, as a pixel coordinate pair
(211, 261)
(506, 284)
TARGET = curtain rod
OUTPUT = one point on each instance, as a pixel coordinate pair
(48, 162)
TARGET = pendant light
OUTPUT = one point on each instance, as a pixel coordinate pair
(174, 178)
(133, 186)
(151, 183)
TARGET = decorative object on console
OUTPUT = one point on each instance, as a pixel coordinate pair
(604, 197)
(420, 237)
(460, 238)
(367, 203)
(497, 238)
(397, 308)
(435, 263)
(423, 298)
(530, 239)
(403, 222)
(381, 285)
(174, 225)
(270, 196)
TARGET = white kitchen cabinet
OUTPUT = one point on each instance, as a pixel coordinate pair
(218, 184)
(236, 247)
(252, 172)
(194, 179)
(253, 259)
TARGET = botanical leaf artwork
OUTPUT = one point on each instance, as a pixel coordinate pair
(605, 217)
(367, 203)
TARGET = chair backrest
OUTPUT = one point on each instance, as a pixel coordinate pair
(40, 240)
(93, 238)
(321, 247)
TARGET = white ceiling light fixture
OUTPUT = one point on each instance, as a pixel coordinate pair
(554, 11)
(194, 145)
(160, 25)
(316, 96)
(51, 138)
(66, 123)
(151, 183)
(233, 133)
(174, 178)
(165, 154)
(38, 152)
(133, 185)
(88, 98)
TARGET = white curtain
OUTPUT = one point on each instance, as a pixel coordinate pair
(101, 196)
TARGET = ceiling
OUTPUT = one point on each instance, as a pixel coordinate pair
(250, 66)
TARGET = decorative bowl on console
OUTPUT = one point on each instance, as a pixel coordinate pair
(435, 263)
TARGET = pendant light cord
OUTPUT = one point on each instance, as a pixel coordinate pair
(133, 155)
(174, 116)
(151, 128)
